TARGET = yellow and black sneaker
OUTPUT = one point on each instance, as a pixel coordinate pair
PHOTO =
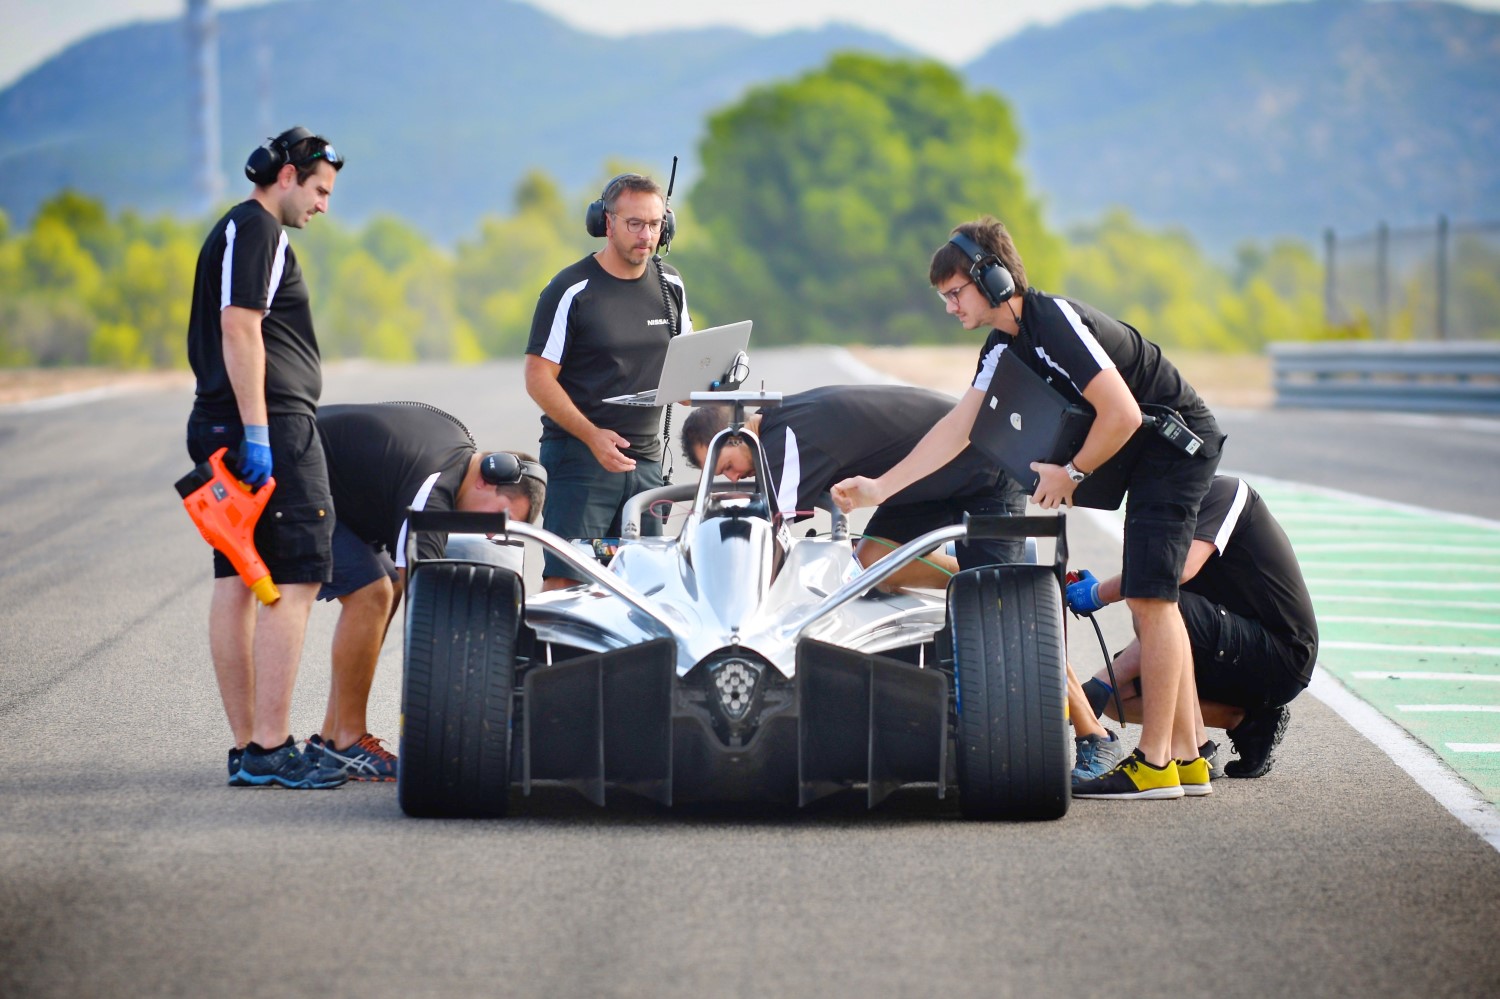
(1133, 778)
(1194, 776)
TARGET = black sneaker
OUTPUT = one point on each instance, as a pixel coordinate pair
(285, 766)
(235, 755)
(1255, 739)
(1210, 752)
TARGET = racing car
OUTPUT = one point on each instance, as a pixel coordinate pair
(734, 662)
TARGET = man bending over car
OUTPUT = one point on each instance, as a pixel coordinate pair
(384, 459)
(818, 437)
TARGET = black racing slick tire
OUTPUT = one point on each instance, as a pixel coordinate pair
(457, 696)
(1009, 656)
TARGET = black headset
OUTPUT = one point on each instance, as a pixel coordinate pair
(593, 219)
(501, 468)
(267, 160)
(986, 270)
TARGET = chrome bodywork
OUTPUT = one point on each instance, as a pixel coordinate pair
(730, 580)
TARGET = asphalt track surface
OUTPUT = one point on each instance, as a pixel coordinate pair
(128, 869)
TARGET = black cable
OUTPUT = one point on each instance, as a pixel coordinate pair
(1109, 666)
(666, 430)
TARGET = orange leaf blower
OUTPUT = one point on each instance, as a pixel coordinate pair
(225, 511)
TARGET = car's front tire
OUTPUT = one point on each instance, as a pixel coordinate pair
(457, 694)
(1009, 659)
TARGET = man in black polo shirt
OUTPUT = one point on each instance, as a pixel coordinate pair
(1089, 357)
(253, 350)
(818, 437)
(1249, 618)
(383, 460)
(601, 329)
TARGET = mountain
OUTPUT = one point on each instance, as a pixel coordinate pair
(1261, 120)
(1233, 121)
(439, 107)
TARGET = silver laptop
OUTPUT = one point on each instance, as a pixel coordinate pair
(694, 362)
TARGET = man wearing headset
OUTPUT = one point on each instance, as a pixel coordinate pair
(383, 460)
(601, 329)
(254, 352)
(815, 438)
(1089, 357)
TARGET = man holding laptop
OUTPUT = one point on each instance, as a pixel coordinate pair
(1089, 357)
(601, 329)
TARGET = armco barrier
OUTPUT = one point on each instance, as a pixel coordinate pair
(1451, 377)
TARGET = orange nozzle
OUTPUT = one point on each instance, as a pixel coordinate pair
(225, 511)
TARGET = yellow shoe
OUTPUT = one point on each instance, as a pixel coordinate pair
(1194, 777)
(1134, 778)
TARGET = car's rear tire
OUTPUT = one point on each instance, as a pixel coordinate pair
(457, 695)
(1009, 656)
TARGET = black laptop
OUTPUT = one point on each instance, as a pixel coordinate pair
(1023, 419)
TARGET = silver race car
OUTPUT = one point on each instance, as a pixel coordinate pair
(734, 662)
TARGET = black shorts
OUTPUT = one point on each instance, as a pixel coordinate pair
(356, 564)
(901, 522)
(294, 536)
(1165, 490)
(1235, 659)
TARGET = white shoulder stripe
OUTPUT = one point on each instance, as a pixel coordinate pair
(1084, 333)
(227, 268)
(987, 368)
(791, 477)
(557, 337)
(687, 319)
(1232, 518)
(278, 266)
(419, 502)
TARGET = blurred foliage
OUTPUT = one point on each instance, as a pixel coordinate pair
(821, 201)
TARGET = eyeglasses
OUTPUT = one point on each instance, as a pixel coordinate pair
(636, 225)
(951, 295)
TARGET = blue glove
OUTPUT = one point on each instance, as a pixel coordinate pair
(255, 456)
(1083, 595)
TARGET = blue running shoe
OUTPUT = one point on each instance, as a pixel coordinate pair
(235, 755)
(285, 766)
(367, 759)
(313, 748)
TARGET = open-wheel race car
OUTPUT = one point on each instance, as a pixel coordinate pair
(734, 662)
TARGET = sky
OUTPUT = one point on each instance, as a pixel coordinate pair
(954, 31)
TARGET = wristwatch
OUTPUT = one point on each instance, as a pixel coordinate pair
(1074, 473)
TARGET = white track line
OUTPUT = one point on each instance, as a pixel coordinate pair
(1380, 674)
(1420, 762)
(1465, 708)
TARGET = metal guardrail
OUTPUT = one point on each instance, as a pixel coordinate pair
(1449, 377)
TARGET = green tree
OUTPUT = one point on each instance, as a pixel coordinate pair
(823, 198)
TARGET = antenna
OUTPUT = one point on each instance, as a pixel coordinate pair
(672, 180)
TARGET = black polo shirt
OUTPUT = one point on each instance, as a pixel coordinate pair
(610, 337)
(1071, 342)
(384, 458)
(1254, 571)
(815, 438)
(247, 261)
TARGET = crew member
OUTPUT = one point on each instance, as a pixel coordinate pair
(601, 329)
(253, 349)
(1090, 358)
(1250, 623)
(383, 460)
(815, 438)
